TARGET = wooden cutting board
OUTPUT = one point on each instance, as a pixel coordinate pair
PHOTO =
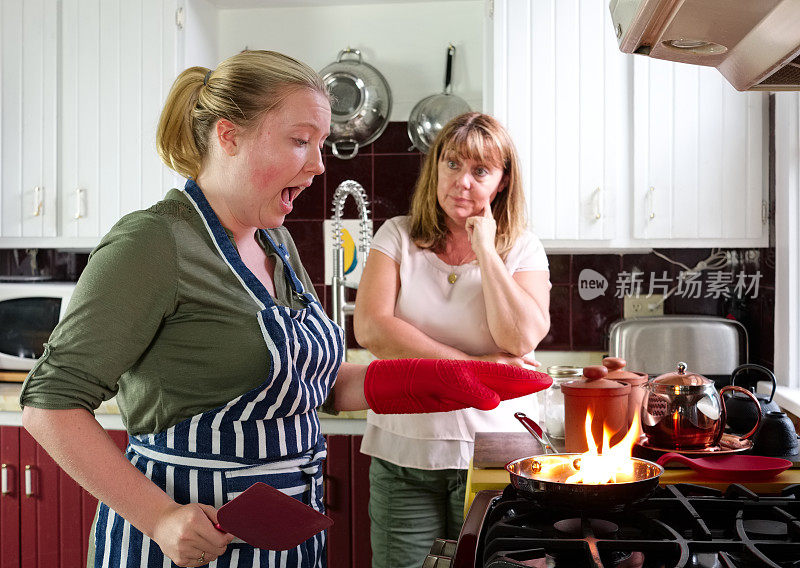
(13, 376)
(496, 449)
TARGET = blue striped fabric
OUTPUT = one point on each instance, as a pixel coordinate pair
(269, 434)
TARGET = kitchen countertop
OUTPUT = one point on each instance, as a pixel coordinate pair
(343, 423)
(108, 414)
(494, 449)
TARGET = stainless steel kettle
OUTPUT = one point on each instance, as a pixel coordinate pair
(682, 410)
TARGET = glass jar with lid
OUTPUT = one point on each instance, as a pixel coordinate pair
(554, 399)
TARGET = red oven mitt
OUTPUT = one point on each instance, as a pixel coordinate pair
(404, 386)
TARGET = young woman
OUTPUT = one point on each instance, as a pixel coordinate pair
(198, 315)
(458, 278)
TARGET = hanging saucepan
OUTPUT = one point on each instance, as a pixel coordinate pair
(430, 114)
(543, 478)
(361, 105)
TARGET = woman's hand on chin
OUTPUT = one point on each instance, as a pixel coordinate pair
(481, 230)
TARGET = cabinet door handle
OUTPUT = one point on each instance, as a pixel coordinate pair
(764, 212)
(37, 201)
(652, 202)
(326, 482)
(29, 481)
(80, 195)
(4, 485)
(598, 203)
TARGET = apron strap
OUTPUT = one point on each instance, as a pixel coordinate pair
(294, 281)
(225, 246)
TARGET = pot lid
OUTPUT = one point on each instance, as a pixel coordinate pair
(682, 378)
(616, 372)
(595, 385)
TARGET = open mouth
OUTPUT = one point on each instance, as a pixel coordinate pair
(289, 194)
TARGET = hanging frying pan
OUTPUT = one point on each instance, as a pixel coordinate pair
(430, 114)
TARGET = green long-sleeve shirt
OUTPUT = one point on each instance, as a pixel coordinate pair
(159, 320)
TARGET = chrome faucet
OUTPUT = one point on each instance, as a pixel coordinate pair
(341, 307)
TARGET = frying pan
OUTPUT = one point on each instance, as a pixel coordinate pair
(551, 489)
(430, 114)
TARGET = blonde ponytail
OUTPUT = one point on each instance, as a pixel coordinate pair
(241, 89)
(176, 139)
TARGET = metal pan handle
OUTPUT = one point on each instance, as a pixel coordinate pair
(451, 52)
(348, 51)
(536, 431)
(340, 155)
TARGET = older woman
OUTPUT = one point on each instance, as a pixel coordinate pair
(198, 315)
(459, 278)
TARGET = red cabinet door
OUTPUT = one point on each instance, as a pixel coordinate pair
(359, 493)
(9, 497)
(39, 522)
(85, 511)
(55, 512)
(337, 500)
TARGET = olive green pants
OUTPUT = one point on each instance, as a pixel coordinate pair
(409, 508)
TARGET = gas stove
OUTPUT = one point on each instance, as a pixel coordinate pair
(681, 525)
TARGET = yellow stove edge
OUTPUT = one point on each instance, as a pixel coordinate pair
(479, 479)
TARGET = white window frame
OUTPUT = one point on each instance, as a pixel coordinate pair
(787, 250)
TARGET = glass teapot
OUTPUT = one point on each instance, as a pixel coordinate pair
(682, 410)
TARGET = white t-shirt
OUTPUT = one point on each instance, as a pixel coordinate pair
(453, 314)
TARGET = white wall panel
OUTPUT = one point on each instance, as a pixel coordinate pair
(567, 118)
(540, 129)
(683, 220)
(130, 119)
(10, 118)
(410, 52)
(787, 239)
(29, 124)
(699, 156)
(710, 165)
(516, 17)
(110, 111)
(592, 104)
(118, 61)
(559, 87)
(81, 131)
(734, 163)
(155, 46)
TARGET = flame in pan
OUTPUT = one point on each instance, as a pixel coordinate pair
(612, 464)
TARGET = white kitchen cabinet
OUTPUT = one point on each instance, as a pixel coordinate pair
(699, 157)
(91, 138)
(119, 61)
(28, 118)
(559, 86)
(622, 151)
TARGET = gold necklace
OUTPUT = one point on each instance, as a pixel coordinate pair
(452, 277)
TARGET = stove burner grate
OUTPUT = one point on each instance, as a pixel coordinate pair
(680, 526)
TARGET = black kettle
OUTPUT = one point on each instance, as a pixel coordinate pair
(741, 414)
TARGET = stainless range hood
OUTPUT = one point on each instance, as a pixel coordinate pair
(755, 44)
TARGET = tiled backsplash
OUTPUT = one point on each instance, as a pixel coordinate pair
(388, 169)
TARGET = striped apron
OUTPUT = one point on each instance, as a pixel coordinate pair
(270, 434)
